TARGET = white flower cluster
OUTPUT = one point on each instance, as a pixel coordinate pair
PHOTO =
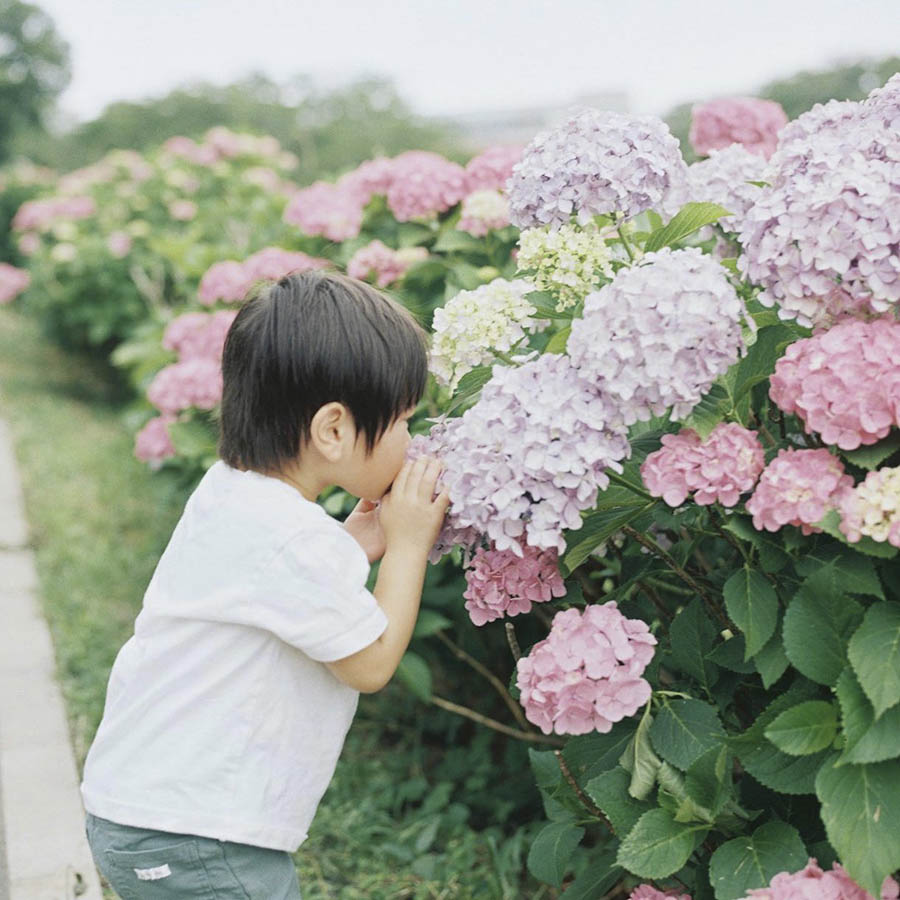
(483, 211)
(659, 334)
(470, 325)
(566, 262)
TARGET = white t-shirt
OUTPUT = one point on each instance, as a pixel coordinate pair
(221, 718)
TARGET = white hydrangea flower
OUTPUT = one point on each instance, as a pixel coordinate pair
(474, 323)
(483, 211)
(566, 262)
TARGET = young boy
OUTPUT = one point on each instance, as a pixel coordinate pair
(227, 710)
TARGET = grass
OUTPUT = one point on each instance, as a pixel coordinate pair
(393, 823)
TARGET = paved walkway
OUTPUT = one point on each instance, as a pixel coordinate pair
(43, 851)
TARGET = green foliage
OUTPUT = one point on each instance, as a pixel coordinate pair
(690, 218)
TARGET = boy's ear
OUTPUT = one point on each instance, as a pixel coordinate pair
(332, 431)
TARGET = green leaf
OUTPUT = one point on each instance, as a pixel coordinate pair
(430, 622)
(753, 861)
(684, 730)
(657, 846)
(830, 523)
(192, 439)
(469, 387)
(817, 626)
(673, 797)
(730, 655)
(874, 455)
(597, 526)
(610, 792)
(867, 741)
(640, 760)
(708, 780)
(595, 881)
(545, 306)
(557, 343)
(453, 240)
(759, 363)
(413, 671)
(832, 570)
(690, 218)
(861, 812)
(691, 633)
(712, 409)
(752, 604)
(874, 652)
(805, 728)
(551, 850)
(589, 755)
(771, 662)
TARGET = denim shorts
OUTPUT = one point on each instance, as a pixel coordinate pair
(143, 864)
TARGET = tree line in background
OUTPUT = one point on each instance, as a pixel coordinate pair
(330, 130)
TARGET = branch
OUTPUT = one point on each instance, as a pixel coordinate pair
(493, 723)
(482, 670)
(592, 808)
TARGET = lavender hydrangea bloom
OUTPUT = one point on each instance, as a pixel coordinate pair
(884, 102)
(659, 334)
(824, 239)
(523, 462)
(595, 163)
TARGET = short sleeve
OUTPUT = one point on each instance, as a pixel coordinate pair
(313, 595)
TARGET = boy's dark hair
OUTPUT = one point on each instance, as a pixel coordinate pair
(309, 339)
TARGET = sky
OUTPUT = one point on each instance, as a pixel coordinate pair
(448, 57)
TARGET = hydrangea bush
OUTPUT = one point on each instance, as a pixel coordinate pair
(671, 550)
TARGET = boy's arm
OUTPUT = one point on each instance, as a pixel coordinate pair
(411, 517)
(398, 591)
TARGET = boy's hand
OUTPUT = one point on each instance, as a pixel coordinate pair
(410, 512)
(364, 525)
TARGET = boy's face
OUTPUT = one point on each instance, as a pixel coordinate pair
(375, 473)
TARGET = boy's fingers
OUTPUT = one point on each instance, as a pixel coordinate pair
(430, 477)
(402, 476)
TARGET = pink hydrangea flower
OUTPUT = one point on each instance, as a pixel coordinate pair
(844, 383)
(647, 892)
(183, 210)
(737, 120)
(586, 675)
(721, 468)
(812, 883)
(797, 488)
(502, 583)
(491, 169)
(152, 443)
(189, 149)
(230, 280)
(372, 177)
(424, 184)
(12, 282)
(193, 383)
(483, 211)
(119, 244)
(198, 334)
(39, 215)
(385, 264)
(334, 211)
(29, 243)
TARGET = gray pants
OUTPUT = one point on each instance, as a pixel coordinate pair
(143, 864)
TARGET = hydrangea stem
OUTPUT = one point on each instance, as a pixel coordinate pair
(464, 711)
(625, 243)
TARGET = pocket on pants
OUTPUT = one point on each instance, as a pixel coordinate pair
(163, 873)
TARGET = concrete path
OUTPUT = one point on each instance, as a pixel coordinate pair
(43, 851)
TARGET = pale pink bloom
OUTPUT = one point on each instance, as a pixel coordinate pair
(812, 883)
(223, 281)
(483, 211)
(12, 282)
(119, 244)
(334, 211)
(182, 385)
(586, 675)
(424, 184)
(199, 334)
(797, 488)
(750, 121)
(265, 178)
(491, 169)
(720, 468)
(872, 508)
(647, 892)
(152, 443)
(187, 148)
(39, 215)
(372, 177)
(183, 210)
(500, 582)
(386, 265)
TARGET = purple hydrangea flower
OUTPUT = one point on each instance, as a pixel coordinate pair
(596, 163)
(659, 334)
